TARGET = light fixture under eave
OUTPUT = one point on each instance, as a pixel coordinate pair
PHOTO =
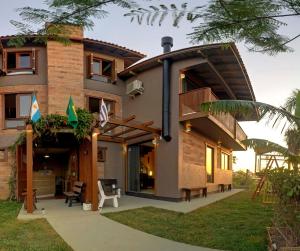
(46, 156)
(124, 148)
(188, 126)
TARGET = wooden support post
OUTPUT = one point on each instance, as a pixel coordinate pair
(29, 199)
(94, 185)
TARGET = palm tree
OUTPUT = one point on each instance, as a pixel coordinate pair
(287, 116)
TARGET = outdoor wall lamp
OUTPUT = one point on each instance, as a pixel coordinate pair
(188, 126)
(155, 141)
(96, 132)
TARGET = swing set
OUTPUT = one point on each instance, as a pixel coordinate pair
(264, 163)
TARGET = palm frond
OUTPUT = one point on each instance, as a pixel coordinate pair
(246, 107)
(262, 146)
(291, 102)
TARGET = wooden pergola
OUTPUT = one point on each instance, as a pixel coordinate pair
(117, 130)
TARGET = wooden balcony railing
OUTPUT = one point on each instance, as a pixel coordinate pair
(190, 104)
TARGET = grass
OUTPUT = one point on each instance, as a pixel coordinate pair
(26, 235)
(236, 223)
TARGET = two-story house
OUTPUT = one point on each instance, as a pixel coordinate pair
(173, 145)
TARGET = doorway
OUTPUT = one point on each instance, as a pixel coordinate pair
(141, 168)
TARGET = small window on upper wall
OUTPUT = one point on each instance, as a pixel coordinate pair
(225, 161)
(3, 154)
(101, 69)
(19, 62)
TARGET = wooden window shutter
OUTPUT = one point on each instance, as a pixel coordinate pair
(34, 61)
(114, 71)
(90, 60)
(4, 61)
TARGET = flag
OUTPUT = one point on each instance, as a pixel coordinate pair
(103, 116)
(72, 115)
(35, 113)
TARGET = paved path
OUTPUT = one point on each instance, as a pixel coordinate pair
(90, 231)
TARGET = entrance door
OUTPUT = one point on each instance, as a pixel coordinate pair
(141, 168)
(134, 168)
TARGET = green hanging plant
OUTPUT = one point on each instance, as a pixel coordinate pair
(50, 123)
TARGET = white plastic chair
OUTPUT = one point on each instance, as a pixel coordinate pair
(103, 197)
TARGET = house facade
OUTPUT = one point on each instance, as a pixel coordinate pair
(157, 140)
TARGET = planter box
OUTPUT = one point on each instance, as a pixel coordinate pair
(282, 239)
(87, 206)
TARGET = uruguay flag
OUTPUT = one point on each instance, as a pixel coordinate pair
(35, 111)
(103, 115)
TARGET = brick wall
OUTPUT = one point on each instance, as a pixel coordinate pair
(65, 76)
(5, 169)
(192, 169)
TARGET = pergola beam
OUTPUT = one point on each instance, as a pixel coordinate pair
(115, 126)
(131, 129)
(138, 127)
(110, 139)
(137, 135)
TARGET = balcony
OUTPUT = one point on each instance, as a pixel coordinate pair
(223, 127)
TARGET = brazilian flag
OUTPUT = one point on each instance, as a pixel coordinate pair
(72, 115)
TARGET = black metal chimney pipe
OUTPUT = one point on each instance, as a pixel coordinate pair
(166, 43)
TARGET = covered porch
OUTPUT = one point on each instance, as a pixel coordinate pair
(82, 156)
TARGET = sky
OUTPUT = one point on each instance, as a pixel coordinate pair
(273, 77)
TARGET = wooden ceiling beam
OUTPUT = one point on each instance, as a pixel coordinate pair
(227, 87)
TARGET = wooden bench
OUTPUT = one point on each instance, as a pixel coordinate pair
(76, 194)
(223, 187)
(188, 191)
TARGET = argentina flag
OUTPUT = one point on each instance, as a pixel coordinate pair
(103, 114)
(35, 111)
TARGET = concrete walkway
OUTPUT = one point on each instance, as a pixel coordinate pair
(89, 231)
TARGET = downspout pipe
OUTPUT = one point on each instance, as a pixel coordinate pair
(166, 43)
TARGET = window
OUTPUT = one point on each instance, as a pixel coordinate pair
(101, 154)
(210, 164)
(19, 60)
(17, 109)
(224, 161)
(94, 105)
(101, 69)
(3, 154)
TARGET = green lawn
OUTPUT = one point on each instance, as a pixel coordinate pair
(26, 235)
(235, 223)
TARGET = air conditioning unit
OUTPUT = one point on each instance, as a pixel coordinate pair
(134, 88)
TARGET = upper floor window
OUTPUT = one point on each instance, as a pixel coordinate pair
(16, 109)
(18, 62)
(225, 161)
(94, 105)
(101, 69)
